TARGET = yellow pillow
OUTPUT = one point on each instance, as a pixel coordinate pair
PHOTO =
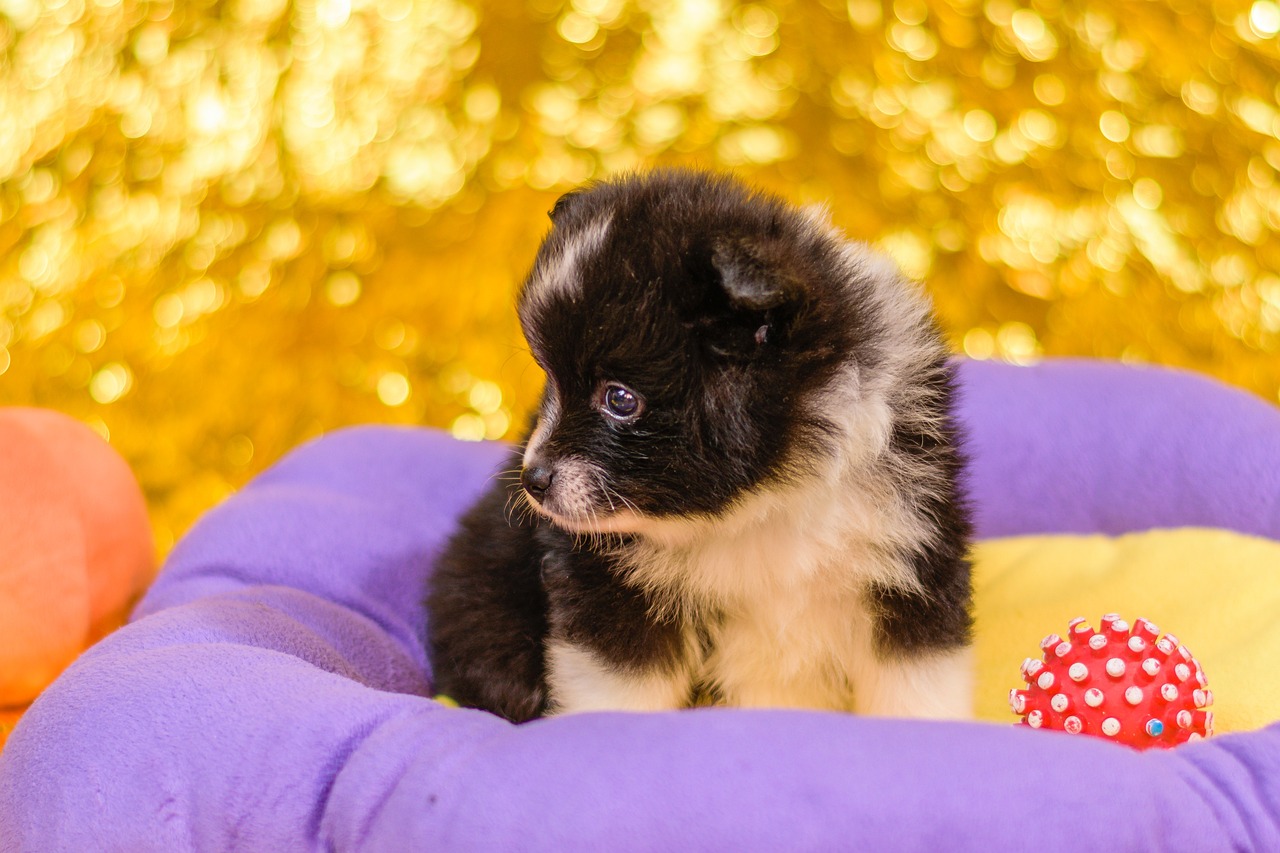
(1218, 591)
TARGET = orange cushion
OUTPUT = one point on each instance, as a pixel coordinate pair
(77, 545)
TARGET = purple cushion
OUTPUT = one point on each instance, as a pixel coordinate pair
(1076, 446)
(269, 694)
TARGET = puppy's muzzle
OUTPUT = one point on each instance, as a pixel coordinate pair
(536, 480)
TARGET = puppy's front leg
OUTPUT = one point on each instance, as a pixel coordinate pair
(916, 659)
(581, 680)
(608, 648)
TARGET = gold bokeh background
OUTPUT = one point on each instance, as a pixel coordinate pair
(228, 227)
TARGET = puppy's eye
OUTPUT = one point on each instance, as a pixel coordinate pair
(620, 402)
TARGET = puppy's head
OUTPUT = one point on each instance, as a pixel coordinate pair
(689, 328)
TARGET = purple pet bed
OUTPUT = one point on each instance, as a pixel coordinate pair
(270, 694)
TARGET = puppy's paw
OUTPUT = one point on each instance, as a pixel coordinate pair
(580, 681)
(937, 685)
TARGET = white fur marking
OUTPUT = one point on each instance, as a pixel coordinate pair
(547, 420)
(561, 273)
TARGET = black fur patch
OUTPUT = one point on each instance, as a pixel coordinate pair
(941, 619)
(487, 612)
(590, 606)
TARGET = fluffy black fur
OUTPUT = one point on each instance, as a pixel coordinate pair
(731, 316)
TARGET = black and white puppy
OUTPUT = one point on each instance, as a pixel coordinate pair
(741, 483)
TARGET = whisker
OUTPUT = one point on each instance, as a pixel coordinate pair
(604, 488)
(511, 505)
(508, 474)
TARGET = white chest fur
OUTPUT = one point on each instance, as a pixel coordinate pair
(775, 597)
(798, 647)
(776, 590)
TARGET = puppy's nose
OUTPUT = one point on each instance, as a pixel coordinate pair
(536, 480)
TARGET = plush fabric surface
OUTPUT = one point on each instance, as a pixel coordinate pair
(1217, 590)
(1086, 447)
(269, 694)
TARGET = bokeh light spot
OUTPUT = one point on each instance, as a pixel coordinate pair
(1114, 126)
(980, 125)
(342, 288)
(90, 336)
(468, 427)
(1147, 193)
(577, 29)
(1264, 18)
(393, 389)
(979, 344)
(1049, 89)
(485, 397)
(111, 383)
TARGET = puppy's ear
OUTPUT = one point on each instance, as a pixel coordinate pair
(753, 274)
(562, 204)
(750, 312)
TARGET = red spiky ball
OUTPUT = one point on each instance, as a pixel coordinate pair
(1120, 683)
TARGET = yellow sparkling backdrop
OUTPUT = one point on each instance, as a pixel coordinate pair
(227, 227)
